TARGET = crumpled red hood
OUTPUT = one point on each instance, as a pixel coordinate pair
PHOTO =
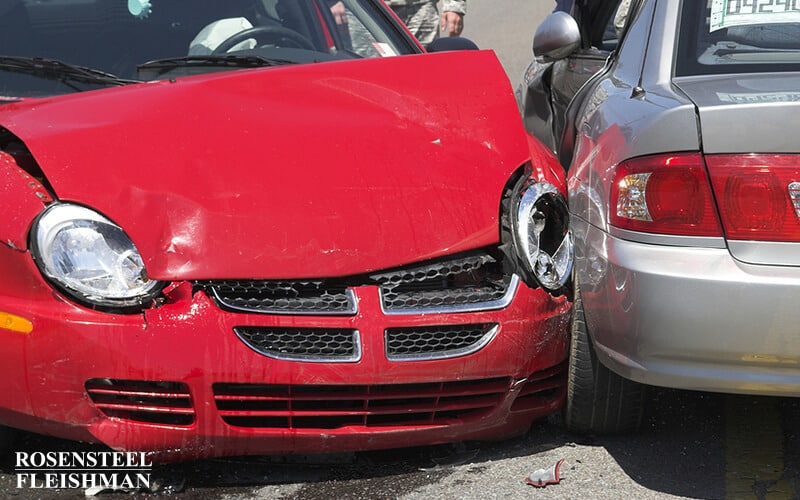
(317, 170)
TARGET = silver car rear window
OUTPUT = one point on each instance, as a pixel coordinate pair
(738, 36)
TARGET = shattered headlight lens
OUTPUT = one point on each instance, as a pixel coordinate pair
(90, 258)
(541, 231)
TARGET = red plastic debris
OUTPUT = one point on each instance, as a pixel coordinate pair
(542, 477)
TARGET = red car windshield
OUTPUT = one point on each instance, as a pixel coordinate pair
(731, 36)
(57, 46)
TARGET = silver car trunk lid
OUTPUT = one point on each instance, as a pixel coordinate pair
(749, 114)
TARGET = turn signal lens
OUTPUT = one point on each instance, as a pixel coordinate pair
(631, 202)
(664, 194)
(15, 323)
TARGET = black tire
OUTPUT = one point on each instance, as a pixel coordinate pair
(598, 400)
(7, 438)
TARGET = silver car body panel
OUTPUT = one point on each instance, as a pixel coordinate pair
(741, 113)
(693, 318)
(774, 253)
(693, 313)
(668, 239)
(617, 122)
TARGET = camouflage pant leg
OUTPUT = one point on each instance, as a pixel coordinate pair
(422, 20)
(360, 38)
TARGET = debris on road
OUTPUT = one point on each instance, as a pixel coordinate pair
(542, 477)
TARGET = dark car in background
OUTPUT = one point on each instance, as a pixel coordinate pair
(674, 121)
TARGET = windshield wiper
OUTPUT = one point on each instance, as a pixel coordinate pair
(53, 69)
(212, 61)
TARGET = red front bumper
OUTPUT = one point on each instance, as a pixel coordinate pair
(178, 382)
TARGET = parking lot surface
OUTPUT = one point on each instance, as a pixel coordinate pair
(693, 445)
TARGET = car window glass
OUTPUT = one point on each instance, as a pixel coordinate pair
(118, 36)
(721, 36)
(602, 30)
(358, 38)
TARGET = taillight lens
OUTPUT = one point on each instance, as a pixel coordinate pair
(664, 194)
(758, 195)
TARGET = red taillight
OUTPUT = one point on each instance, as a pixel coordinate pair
(758, 195)
(664, 194)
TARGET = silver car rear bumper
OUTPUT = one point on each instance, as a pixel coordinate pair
(690, 318)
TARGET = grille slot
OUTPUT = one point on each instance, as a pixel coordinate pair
(475, 282)
(303, 344)
(142, 401)
(332, 407)
(437, 342)
(283, 297)
(544, 389)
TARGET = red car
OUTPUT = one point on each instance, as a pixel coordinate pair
(266, 227)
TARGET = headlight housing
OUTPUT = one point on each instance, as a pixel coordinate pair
(90, 258)
(542, 237)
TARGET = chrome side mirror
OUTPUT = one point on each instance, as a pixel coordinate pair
(557, 37)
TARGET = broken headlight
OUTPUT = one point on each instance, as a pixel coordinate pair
(542, 239)
(90, 258)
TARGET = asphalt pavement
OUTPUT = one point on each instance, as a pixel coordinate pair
(692, 445)
(507, 27)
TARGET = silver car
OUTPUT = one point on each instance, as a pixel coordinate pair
(677, 123)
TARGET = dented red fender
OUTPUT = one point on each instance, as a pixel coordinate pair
(23, 198)
(305, 170)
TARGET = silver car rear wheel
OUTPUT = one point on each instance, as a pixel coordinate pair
(598, 400)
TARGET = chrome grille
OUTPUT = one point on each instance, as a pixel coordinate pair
(283, 297)
(142, 401)
(474, 282)
(437, 342)
(332, 407)
(468, 283)
(303, 344)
